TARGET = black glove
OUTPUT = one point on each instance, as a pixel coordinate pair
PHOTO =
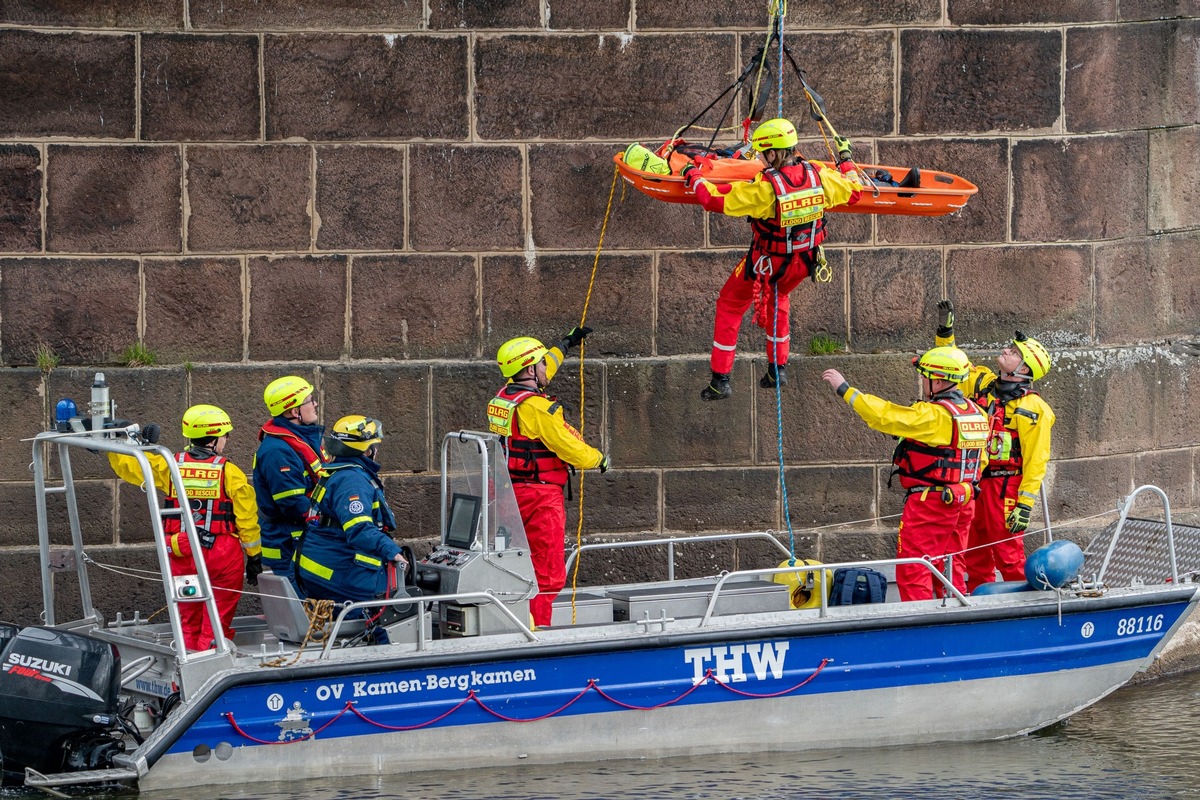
(945, 318)
(574, 337)
(604, 464)
(690, 174)
(1018, 518)
(254, 568)
(150, 433)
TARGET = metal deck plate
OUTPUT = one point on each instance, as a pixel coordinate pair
(1141, 552)
(35, 778)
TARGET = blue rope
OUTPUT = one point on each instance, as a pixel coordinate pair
(787, 514)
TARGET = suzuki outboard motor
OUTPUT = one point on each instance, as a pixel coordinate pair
(58, 702)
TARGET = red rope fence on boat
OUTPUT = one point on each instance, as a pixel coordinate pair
(592, 685)
(229, 716)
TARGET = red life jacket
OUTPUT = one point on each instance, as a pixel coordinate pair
(799, 223)
(529, 461)
(211, 506)
(313, 461)
(1004, 446)
(920, 465)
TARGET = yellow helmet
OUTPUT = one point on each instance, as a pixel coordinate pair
(205, 422)
(286, 392)
(354, 435)
(1035, 356)
(519, 353)
(944, 363)
(774, 134)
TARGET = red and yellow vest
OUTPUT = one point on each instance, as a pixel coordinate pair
(799, 223)
(529, 461)
(919, 465)
(1004, 446)
(211, 506)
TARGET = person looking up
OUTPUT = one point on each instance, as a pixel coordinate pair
(347, 554)
(939, 458)
(543, 449)
(1018, 452)
(286, 467)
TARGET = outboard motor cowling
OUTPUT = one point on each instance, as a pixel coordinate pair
(7, 633)
(58, 702)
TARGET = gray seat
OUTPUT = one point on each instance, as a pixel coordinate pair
(284, 611)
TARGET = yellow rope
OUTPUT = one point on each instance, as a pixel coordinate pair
(863, 177)
(320, 615)
(612, 190)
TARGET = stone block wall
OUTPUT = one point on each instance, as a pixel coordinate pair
(376, 193)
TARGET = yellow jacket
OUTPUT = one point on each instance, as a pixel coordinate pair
(1032, 426)
(927, 423)
(240, 491)
(541, 418)
(757, 198)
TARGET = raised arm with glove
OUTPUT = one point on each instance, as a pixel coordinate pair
(574, 337)
(844, 150)
(945, 311)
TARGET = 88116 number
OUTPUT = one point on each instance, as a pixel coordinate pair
(1134, 625)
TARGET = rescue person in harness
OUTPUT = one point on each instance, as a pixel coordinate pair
(347, 554)
(286, 467)
(543, 449)
(1018, 452)
(786, 205)
(222, 505)
(941, 454)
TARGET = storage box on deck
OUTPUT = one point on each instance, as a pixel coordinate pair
(590, 609)
(743, 597)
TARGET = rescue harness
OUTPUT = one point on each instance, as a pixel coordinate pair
(529, 460)
(921, 466)
(210, 506)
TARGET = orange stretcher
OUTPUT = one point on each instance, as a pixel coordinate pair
(931, 193)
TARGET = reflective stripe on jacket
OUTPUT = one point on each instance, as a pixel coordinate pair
(345, 551)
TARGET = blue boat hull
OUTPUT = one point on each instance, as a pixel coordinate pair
(890, 675)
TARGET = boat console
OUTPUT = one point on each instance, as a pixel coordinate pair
(483, 546)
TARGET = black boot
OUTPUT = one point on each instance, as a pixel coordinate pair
(718, 387)
(776, 375)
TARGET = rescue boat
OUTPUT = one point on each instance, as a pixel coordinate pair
(906, 191)
(628, 670)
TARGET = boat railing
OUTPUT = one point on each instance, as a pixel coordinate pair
(107, 442)
(423, 602)
(1125, 509)
(671, 541)
(818, 568)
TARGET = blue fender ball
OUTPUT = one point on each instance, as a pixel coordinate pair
(1053, 565)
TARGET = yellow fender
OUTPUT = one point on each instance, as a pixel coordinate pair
(806, 586)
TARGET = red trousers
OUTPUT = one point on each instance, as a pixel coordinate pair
(998, 548)
(226, 567)
(931, 527)
(544, 514)
(734, 300)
